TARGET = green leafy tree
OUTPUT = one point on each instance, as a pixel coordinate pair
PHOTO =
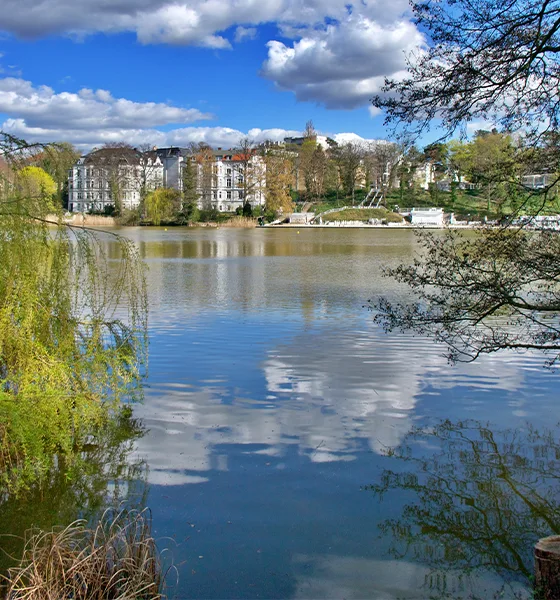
(66, 358)
(494, 167)
(190, 190)
(57, 159)
(459, 155)
(162, 205)
(35, 185)
(247, 210)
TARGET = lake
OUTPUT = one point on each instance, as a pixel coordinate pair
(292, 449)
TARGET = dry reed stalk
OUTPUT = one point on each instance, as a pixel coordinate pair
(116, 560)
(240, 222)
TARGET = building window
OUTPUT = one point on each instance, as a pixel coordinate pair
(228, 171)
(214, 194)
(228, 195)
(228, 182)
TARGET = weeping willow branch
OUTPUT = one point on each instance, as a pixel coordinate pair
(73, 316)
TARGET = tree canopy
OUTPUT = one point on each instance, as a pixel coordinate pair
(162, 204)
(66, 356)
(37, 186)
(498, 62)
(485, 59)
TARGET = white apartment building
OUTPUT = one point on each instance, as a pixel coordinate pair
(233, 177)
(108, 176)
(225, 180)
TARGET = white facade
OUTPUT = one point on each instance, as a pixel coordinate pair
(232, 177)
(427, 217)
(91, 182)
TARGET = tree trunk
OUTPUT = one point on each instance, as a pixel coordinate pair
(547, 568)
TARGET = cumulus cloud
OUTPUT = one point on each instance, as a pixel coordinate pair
(245, 33)
(91, 118)
(42, 108)
(343, 65)
(198, 22)
(225, 137)
(339, 56)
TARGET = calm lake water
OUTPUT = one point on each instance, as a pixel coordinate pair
(294, 450)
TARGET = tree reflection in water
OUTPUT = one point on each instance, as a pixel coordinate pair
(97, 476)
(480, 499)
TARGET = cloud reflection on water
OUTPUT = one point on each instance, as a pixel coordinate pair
(330, 392)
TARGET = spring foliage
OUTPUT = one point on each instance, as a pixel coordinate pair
(72, 329)
(162, 204)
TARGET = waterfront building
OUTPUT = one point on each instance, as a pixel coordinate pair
(236, 179)
(427, 217)
(112, 176)
(122, 176)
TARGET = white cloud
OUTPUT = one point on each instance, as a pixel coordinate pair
(343, 65)
(198, 22)
(91, 118)
(42, 108)
(225, 137)
(339, 57)
(245, 33)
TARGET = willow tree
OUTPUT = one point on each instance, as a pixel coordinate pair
(72, 330)
(162, 205)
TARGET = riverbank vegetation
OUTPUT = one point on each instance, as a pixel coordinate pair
(117, 559)
(364, 214)
(69, 352)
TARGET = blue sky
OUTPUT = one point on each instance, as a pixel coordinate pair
(170, 71)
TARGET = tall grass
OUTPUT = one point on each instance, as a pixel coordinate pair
(116, 560)
(239, 221)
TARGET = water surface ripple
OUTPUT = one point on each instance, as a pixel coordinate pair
(274, 403)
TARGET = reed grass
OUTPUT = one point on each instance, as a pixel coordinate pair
(240, 221)
(116, 560)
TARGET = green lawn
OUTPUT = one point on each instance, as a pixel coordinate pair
(364, 214)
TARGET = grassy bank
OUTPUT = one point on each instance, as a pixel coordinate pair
(363, 214)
